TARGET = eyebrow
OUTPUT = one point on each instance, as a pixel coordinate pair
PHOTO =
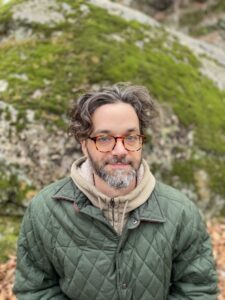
(105, 131)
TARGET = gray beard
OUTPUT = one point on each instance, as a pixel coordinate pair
(118, 180)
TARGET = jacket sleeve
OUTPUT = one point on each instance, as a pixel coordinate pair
(193, 274)
(35, 276)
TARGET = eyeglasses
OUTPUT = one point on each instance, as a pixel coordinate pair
(106, 143)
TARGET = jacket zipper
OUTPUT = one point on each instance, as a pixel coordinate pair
(112, 204)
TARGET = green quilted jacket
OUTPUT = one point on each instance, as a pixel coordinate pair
(68, 250)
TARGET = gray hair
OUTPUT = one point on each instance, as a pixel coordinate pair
(137, 96)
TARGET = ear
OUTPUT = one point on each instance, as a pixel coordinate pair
(84, 147)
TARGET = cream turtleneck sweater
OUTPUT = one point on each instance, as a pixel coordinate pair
(116, 211)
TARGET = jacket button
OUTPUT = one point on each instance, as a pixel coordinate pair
(135, 221)
(124, 286)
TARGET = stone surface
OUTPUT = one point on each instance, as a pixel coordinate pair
(38, 11)
(38, 156)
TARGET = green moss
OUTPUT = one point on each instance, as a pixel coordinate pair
(218, 6)
(21, 121)
(214, 167)
(200, 31)
(6, 15)
(184, 170)
(9, 228)
(192, 18)
(14, 190)
(222, 212)
(7, 114)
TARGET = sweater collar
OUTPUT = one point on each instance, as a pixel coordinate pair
(150, 211)
(82, 175)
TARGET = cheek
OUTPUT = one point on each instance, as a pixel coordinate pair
(136, 158)
(136, 155)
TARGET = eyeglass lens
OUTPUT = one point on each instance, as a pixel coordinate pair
(107, 143)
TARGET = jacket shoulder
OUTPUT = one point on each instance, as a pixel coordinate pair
(50, 190)
(174, 203)
(44, 207)
(179, 211)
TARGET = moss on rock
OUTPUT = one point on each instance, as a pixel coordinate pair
(14, 190)
(185, 170)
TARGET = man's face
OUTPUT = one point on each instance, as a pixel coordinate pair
(119, 166)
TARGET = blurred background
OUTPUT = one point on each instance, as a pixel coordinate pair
(53, 50)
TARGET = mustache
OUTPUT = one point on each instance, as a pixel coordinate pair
(115, 160)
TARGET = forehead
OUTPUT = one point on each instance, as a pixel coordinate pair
(116, 118)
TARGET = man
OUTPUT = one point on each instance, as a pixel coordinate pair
(110, 230)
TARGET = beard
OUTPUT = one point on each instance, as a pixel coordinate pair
(118, 178)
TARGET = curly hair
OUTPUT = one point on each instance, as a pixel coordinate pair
(137, 96)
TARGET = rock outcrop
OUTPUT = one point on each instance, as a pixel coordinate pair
(50, 50)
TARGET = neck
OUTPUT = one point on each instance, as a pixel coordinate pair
(111, 192)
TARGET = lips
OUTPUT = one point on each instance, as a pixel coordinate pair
(117, 161)
(119, 165)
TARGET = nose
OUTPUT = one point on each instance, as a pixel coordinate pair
(119, 148)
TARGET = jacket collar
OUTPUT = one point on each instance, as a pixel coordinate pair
(69, 192)
(150, 211)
